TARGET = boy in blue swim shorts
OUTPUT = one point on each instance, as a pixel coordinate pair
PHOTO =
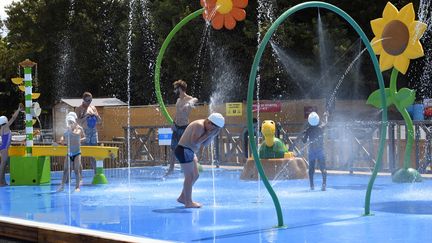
(198, 133)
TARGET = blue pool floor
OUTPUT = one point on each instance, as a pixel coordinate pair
(143, 203)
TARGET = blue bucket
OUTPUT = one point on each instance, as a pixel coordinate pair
(410, 110)
(418, 112)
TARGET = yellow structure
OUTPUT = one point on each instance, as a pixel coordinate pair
(98, 152)
(276, 169)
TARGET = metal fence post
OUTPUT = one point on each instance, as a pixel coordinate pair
(392, 147)
(417, 145)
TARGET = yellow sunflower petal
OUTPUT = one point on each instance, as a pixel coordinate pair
(401, 63)
(390, 11)
(377, 45)
(416, 30)
(406, 14)
(414, 51)
(377, 27)
(386, 61)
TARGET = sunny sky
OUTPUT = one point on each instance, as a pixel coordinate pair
(4, 3)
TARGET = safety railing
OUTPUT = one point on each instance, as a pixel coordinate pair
(350, 146)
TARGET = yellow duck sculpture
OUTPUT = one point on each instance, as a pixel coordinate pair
(271, 147)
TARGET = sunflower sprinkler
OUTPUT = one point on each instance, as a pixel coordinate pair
(397, 40)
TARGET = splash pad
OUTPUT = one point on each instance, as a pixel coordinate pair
(230, 218)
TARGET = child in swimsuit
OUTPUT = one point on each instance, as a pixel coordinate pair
(315, 134)
(6, 136)
(73, 137)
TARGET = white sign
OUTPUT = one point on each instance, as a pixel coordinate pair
(164, 135)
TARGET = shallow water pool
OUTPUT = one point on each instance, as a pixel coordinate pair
(233, 210)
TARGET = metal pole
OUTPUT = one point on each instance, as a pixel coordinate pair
(417, 145)
(392, 148)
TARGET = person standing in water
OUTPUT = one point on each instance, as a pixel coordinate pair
(88, 118)
(184, 106)
(198, 133)
(315, 134)
(73, 137)
(6, 136)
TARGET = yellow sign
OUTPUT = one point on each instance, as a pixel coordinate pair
(234, 109)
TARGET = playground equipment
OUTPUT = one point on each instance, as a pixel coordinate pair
(272, 147)
(251, 86)
(397, 40)
(27, 88)
(30, 165)
(278, 163)
(27, 171)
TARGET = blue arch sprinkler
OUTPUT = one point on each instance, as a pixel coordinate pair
(253, 74)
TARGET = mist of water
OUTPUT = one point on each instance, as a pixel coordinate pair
(65, 60)
(299, 73)
(425, 16)
(341, 79)
(224, 77)
(128, 81)
(323, 45)
(198, 66)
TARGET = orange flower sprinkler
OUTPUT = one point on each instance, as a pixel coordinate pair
(224, 13)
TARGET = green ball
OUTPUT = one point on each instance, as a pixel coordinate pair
(409, 175)
(200, 167)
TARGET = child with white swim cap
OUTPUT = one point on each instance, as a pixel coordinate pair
(315, 134)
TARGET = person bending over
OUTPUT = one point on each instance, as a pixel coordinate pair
(198, 133)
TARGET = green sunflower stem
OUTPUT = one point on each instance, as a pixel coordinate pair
(410, 137)
(393, 82)
(407, 119)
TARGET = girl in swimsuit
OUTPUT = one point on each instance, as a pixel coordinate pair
(6, 136)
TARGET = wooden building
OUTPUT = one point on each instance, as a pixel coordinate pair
(65, 106)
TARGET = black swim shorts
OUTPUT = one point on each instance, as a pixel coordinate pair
(183, 154)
